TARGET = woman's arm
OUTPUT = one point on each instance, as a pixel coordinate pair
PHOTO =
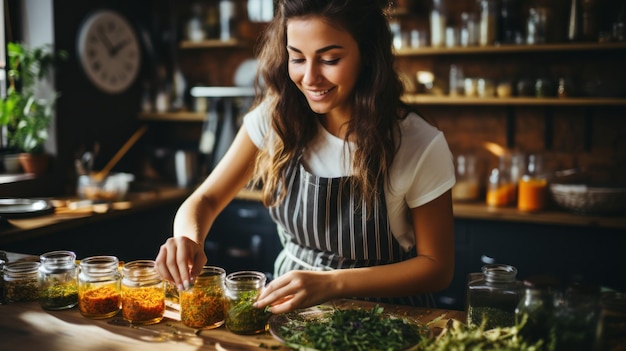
(181, 257)
(431, 270)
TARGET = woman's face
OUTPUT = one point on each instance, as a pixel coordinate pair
(324, 62)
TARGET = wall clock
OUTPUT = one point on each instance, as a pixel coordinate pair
(108, 50)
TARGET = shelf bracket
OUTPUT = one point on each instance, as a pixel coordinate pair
(510, 127)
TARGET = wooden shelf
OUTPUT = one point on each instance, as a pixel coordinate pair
(423, 99)
(504, 49)
(213, 44)
(173, 116)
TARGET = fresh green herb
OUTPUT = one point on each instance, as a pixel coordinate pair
(353, 329)
(242, 317)
(459, 336)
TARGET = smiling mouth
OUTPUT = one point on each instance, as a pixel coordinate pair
(321, 92)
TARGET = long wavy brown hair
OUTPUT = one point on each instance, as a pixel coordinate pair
(377, 107)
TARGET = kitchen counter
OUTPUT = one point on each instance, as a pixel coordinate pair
(26, 326)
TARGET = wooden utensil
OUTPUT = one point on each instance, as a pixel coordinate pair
(129, 143)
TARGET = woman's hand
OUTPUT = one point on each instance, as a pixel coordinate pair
(180, 260)
(297, 289)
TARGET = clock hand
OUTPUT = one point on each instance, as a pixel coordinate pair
(114, 50)
(105, 40)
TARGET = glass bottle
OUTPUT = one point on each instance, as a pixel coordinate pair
(99, 287)
(202, 306)
(487, 25)
(493, 299)
(21, 281)
(242, 290)
(533, 187)
(469, 31)
(143, 293)
(437, 24)
(57, 280)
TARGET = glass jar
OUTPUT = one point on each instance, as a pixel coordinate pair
(493, 299)
(2, 263)
(612, 331)
(533, 187)
(242, 290)
(99, 289)
(57, 280)
(21, 281)
(576, 317)
(143, 293)
(202, 306)
(467, 187)
(536, 309)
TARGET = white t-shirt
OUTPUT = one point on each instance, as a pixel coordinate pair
(422, 169)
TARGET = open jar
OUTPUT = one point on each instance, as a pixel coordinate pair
(202, 306)
(57, 280)
(99, 287)
(493, 298)
(143, 293)
(21, 281)
(242, 290)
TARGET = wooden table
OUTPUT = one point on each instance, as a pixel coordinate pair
(26, 326)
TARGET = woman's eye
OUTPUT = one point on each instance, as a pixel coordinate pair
(296, 60)
(330, 62)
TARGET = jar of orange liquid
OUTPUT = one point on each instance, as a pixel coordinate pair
(533, 187)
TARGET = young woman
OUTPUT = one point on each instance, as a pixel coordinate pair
(358, 184)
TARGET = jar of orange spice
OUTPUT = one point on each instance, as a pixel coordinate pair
(202, 306)
(99, 289)
(143, 293)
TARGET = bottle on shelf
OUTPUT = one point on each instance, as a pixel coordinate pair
(533, 186)
(488, 22)
(437, 24)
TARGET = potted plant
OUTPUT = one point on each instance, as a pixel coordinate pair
(24, 114)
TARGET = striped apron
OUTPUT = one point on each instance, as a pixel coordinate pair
(321, 228)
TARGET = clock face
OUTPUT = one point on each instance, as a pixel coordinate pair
(109, 51)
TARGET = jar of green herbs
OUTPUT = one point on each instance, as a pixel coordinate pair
(493, 298)
(58, 280)
(21, 282)
(242, 290)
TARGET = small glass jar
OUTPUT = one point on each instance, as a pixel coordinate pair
(21, 281)
(57, 280)
(577, 317)
(533, 187)
(242, 290)
(202, 306)
(99, 287)
(535, 310)
(467, 187)
(493, 299)
(2, 263)
(612, 333)
(143, 293)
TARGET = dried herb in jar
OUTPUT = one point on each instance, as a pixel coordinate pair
(202, 307)
(99, 302)
(143, 304)
(54, 296)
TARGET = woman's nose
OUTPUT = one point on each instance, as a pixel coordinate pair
(311, 74)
